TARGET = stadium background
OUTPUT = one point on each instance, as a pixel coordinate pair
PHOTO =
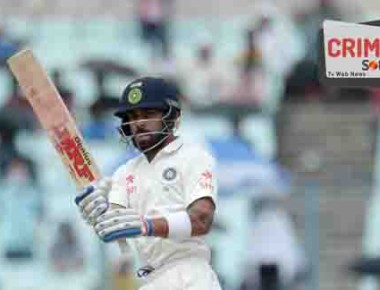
(298, 162)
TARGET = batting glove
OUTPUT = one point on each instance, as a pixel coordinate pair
(122, 223)
(93, 200)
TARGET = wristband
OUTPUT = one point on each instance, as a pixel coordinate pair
(148, 227)
(179, 225)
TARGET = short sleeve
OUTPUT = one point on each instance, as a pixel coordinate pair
(117, 194)
(201, 180)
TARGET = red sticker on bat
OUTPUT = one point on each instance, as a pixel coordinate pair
(72, 147)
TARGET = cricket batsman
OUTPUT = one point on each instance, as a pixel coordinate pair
(164, 199)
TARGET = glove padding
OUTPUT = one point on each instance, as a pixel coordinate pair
(122, 223)
(93, 200)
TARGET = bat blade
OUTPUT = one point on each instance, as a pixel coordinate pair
(54, 117)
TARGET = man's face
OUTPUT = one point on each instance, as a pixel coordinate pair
(145, 121)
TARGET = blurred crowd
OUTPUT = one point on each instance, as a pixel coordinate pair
(276, 62)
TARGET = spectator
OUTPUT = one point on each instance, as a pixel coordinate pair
(7, 47)
(21, 209)
(204, 78)
(275, 259)
(154, 16)
(99, 127)
(165, 66)
(303, 80)
(249, 89)
(15, 115)
(66, 254)
(66, 94)
(266, 63)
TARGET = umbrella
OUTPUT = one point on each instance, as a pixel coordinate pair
(240, 169)
(366, 266)
(108, 66)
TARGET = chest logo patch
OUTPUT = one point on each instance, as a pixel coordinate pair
(169, 174)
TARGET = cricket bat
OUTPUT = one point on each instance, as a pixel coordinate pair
(56, 119)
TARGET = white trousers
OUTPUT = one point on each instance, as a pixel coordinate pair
(186, 274)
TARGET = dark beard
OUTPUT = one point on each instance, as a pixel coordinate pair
(146, 145)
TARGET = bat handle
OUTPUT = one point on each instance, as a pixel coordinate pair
(121, 235)
(123, 246)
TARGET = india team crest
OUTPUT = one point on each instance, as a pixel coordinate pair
(170, 174)
(134, 96)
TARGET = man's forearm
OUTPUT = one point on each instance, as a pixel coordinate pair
(160, 227)
(199, 217)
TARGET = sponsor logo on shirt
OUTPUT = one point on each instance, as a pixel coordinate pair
(130, 186)
(206, 180)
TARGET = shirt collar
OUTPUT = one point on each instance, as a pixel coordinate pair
(169, 148)
(173, 146)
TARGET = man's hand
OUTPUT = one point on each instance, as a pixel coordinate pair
(121, 223)
(93, 200)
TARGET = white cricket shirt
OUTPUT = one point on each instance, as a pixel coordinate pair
(178, 175)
